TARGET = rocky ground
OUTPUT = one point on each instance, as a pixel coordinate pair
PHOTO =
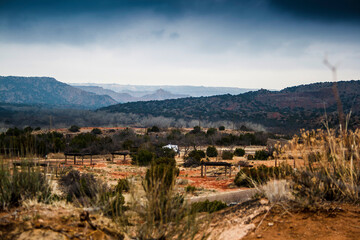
(254, 219)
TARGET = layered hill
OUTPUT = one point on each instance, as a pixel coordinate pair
(294, 107)
(191, 91)
(122, 97)
(119, 97)
(48, 91)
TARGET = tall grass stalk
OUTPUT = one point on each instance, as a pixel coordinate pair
(160, 213)
(328, 164)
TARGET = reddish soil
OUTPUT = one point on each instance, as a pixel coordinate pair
(220, 183)
(335, 223)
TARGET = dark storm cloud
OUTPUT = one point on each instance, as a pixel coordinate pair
(325, 10)
(83, 21)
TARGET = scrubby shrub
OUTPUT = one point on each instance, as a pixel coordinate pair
(208, 206)
(111, 201)
(196, 130)
(143, 157)
(250, 157)
(159, 182)
(331, 171)
(154, 129)
(165, 152)
(239, 152)
(26, 183)
(211, 151)
(96, 131)
(221, 128)
(227, 155)
(122, 185)
(190, 189)
(163, 214)
(250, 177)
(81, 188)
(194, 158)
(74, 128)
(262, 155)
(211, 131)
(163, 170)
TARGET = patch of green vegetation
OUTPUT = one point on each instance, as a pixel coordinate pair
(262, 155)
(227, 155)
(239, 152)
(190, 189)
(211, 151)
(207, 206)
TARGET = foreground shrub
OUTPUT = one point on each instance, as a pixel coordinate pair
(211, 151)
(250, 177)
(163, 215)
(123, 185)
(227, 155)
(208, 206)
(239, 152)
(20, 184)
(82, 188)
(332, 169)
(112, 201)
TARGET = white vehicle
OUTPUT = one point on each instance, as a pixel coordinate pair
(173, 147)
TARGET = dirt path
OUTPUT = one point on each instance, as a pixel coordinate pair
(237, 196)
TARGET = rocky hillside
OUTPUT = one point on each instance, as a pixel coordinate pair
(48, 91)
(295, 107)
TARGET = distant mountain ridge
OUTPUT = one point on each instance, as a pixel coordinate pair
(294, 107)
(48, 91)
(159, 94)
(193, 91)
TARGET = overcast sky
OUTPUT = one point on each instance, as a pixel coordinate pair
(245, 43)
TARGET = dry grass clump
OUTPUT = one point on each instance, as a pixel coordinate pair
(276, 191)
(327, 163)
(19, 184)
(160, 213)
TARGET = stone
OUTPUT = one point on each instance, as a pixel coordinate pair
(27, 226)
